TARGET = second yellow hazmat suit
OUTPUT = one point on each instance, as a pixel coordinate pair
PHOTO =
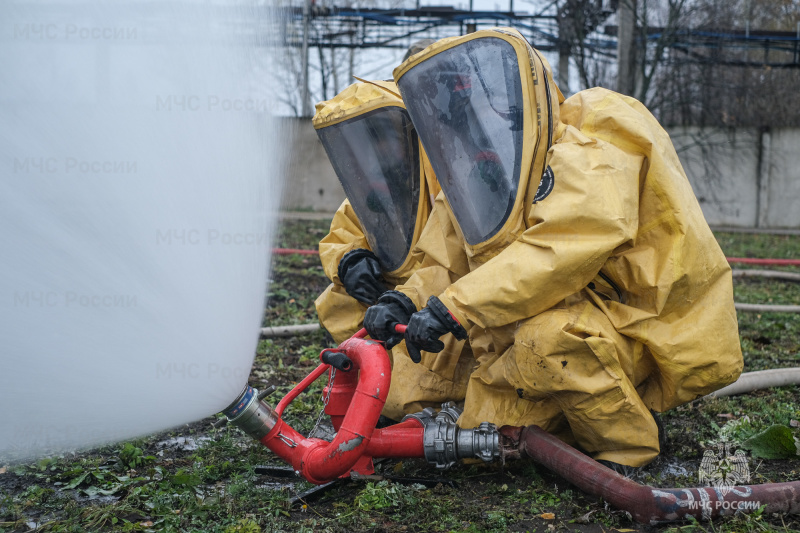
(390, 186)
(596, 291)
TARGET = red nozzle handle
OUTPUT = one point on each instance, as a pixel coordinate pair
(360, 334)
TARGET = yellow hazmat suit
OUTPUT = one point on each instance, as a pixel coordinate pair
(602, 293)
(413, 387)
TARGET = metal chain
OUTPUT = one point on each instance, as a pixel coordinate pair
(324, 402)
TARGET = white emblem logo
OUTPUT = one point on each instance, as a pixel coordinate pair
(723, 469)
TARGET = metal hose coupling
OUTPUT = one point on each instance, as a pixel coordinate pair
(251, 415)
(445, 443)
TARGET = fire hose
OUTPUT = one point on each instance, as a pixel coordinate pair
(358, 382)
(651, 505)
(758, 380)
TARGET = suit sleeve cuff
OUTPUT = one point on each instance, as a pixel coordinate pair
(455, 311)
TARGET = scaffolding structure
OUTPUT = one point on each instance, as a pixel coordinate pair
(334, 27)
(350, 27)
(309, 25)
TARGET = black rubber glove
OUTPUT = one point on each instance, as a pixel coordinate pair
(393, 308)
(425, 328)
(360, 274)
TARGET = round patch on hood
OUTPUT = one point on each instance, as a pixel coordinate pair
(545, 186)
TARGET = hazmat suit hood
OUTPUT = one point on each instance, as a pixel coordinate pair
(374, 150)
(486, 109)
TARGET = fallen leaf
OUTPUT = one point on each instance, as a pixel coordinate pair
(722, 415)
(146, 524)
(623, 530)
(794, 424)
(775, 442)
(547, 516)
(3, 470)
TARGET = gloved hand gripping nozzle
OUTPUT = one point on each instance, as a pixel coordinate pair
(392, 308)
(425, 328)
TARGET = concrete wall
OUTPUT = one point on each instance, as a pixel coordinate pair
(722, 168)
(742, 178)
(780, 187)
(311, 184)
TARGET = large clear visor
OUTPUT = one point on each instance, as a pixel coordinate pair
(376, 157)
(466, 104)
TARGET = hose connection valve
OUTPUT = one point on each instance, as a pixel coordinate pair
(249, 413)
(445, 443)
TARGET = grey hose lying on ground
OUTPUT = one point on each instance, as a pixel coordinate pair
(761, 379)
(288, 331)
(763, 308)
(773, 274)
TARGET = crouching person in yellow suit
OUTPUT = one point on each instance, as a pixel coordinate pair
(596, 291)
(390, 187)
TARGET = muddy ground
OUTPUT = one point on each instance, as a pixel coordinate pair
(198, 478)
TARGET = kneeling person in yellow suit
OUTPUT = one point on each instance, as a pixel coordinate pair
(389, 184)
(596, 291)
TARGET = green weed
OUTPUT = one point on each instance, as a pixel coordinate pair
(385, 495)
(131, 456)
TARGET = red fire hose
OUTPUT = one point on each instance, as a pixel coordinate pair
(743, 260)
(755, 261)
(651, 505)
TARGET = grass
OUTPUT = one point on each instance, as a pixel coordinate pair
(759, 245)
(220, 486)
